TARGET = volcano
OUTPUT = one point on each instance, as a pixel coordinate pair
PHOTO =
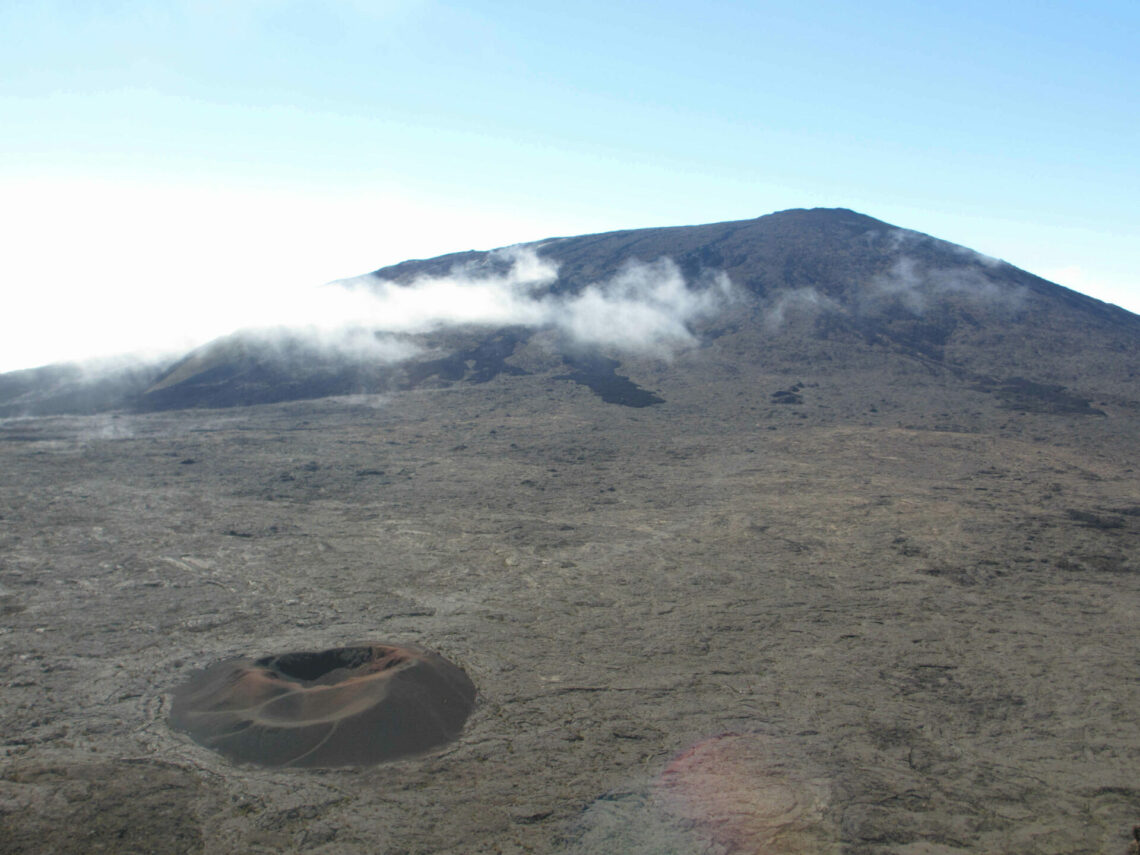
(822, 287)
(806, 532)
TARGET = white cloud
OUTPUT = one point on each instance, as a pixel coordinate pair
(98, 268)
(645, 307)
(915, 284)
(95, 268)
(786, 304)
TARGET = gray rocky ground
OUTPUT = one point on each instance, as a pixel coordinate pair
(917, 608)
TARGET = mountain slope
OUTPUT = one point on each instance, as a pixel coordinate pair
(809, 287)
(853, 274)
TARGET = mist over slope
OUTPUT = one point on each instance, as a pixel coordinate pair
(823, 286)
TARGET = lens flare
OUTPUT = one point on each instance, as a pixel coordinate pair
(744, 793)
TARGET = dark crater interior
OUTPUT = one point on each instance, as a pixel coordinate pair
(309, 667)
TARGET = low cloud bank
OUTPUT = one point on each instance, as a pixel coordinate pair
(647, 307)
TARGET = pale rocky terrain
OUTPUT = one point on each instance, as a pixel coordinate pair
(936, 628)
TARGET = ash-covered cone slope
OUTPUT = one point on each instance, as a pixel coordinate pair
(833, 289)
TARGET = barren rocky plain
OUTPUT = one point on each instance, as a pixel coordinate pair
(817, 599)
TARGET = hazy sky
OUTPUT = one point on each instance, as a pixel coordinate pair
(172, 170)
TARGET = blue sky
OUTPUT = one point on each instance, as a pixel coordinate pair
(168, 170)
